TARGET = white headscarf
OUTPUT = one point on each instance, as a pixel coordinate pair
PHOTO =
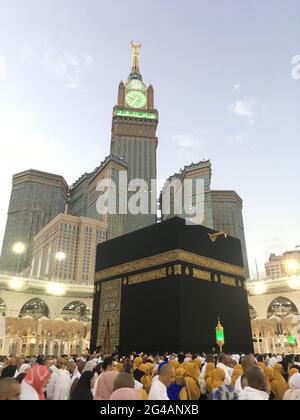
(24, 367)
(279, 359)
(294, 382)
(236, 357)
(272, 362)
(90, 365)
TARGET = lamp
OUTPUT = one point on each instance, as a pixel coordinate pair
(55, 289)
(293, 266)
(220, 340)
(291, 340)
(294, 283)
(60, 256)
(16, 284)
(260, 288)
(18, 249)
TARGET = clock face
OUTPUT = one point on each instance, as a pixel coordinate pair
(136, 99)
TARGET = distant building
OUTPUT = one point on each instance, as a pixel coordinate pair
(36, 198)
(227, 208)
(65, 249)
(200, 170)
(109, 170)
(283, 265)
(223, 210)
(79, 195)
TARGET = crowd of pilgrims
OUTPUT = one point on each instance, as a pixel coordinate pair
(147, 377)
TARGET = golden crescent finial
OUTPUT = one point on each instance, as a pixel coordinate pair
(135, 54)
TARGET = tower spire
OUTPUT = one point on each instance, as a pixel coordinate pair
(135, 68)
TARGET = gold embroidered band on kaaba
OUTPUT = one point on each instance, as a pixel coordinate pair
(167, 257)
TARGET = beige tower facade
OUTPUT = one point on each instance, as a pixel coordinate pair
(65, 249)
(283, 265)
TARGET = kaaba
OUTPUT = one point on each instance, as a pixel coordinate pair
(164, 287)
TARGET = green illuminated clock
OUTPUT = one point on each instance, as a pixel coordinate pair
(136, 99)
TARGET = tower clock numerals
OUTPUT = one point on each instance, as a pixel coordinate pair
(136, 85)
(136, 99)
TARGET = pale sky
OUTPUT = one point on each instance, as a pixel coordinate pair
(222, 74)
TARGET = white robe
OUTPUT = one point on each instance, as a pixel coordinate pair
(272, 362)
(76, 375)
(158, 391)
(227, 374)
(292, 395)
(201, 379)
(238, 385)
(137, 384)
(63, 385)
(52, 383)
(28, 393)
(252, 394)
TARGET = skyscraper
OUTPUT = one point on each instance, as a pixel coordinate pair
(133, 136)
(36, 198)
(109, 171)
(79, 195)
(193, 172)
(65, 249)
(84, 194)
(227, 209)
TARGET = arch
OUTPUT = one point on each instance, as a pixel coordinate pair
(3, 307)
(62, 334)
(281, 307)
(252, 312)
(76, 310)
(36, 308)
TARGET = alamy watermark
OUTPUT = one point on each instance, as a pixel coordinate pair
(185, 198)
(296, 67)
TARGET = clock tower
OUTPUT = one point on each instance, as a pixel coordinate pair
(134, 138)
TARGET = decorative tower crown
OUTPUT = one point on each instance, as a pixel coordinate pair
(135, 68)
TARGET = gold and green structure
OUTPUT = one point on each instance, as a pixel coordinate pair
(220, 339)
